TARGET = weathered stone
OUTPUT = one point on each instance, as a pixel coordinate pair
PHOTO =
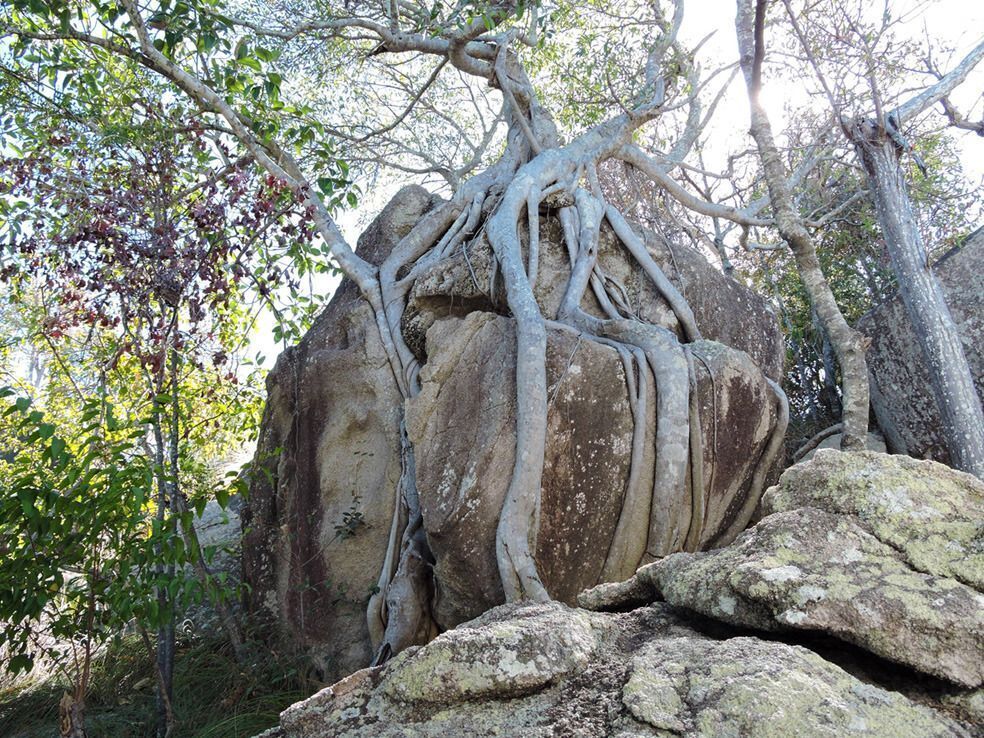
(464, 442)
(726, 311)
(545, 670)
(970, 705)
(811, 570)
(738, 413)
(489, 658)
(328, 460)
(748, 687)
(931, 514)
(901, 392)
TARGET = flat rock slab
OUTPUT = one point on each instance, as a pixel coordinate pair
(808, 569)
(548, 670)
(933, 515)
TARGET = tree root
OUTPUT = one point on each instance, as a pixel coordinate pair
(692, 542)
(660, 514)
(766, 460)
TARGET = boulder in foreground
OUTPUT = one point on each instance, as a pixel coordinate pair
(547, 670)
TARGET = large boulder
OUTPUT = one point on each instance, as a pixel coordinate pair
(465, 444)
(546, 670)
(329, 457)
(883, 552)
(901, 392)
(321, 496)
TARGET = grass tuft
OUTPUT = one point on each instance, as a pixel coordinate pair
(213, 696)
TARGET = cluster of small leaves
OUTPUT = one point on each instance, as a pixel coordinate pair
(352, 519)
(122, 239)
(82, 554)
(192, 33)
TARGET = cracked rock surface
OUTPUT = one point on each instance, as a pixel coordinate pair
(931, 514)
(549, 670)
(853, 607)
(808, 569)
(883, 552)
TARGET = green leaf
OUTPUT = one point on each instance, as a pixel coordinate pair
(27, 502)
(57, 449)
(20, 662)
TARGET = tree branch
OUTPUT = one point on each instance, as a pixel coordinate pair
(932, 95)
(646, 164)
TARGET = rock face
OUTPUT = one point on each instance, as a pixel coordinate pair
(852, 608)
(807, 569)
(884, 552)
(901, 393)
(328, 459)
(321, 503)
(463, 466)
(546, 670)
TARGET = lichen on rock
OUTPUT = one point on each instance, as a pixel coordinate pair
(932, 514)
(808, 569)
(551, 671)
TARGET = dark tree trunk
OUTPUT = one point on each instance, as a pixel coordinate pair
(164, 653)
(951, 378)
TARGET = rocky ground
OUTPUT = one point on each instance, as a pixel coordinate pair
(853, 607)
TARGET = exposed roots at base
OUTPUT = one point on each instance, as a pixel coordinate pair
(659, 515)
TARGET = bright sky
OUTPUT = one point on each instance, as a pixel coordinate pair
(958, 23)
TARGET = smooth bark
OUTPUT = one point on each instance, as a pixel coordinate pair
(951, 380)
(848, 344)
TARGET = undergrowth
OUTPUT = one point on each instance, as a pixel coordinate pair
(213, 696)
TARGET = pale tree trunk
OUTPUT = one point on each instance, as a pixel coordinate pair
(71, 717)
(951, 379)
(879, 143)
(847, 343)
